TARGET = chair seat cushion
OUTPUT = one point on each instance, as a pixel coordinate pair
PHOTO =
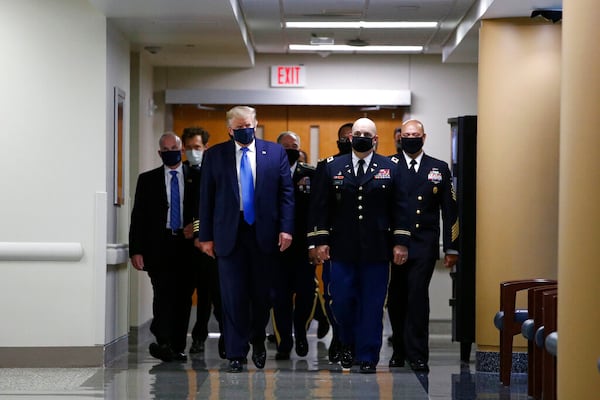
(552, 343)
(520, 316)
(527, 329)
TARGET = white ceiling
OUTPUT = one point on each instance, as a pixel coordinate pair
(229, 33)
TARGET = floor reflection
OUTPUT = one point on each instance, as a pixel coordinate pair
(204, 376)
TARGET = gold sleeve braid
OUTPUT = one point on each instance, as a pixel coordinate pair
(455, 231)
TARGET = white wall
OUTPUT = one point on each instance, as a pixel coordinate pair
(53, 163)
(143, 156)
(117, 276)
(439, 91)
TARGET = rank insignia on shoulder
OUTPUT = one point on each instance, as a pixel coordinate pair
(394, 160)
(330, 159)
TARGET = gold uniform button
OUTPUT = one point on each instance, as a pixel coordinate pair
(360, 207)
(416, 225)
(360, 188)
(418, 212)
(359, 197)
(420, 198)
(360, 217)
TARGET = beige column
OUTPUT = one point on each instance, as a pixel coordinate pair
(517, 161)
(579, 210)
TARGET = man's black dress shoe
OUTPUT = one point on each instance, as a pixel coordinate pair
(301, 347)
(335, 351)
(368, 367)
(162, 352)
(235, 366)
(419, 365)
(197, 347)
(222, 353)
(347, 357)
(259, 355)
(282, 355)
(322, 328)
(396, 361)
(179, 357)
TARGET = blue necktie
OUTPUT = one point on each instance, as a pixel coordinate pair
(175, 202)
(247, 184)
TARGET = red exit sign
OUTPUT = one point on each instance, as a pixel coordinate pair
(288, 76)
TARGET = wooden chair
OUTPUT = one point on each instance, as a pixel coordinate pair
(507, 322)
(550, 303)
(529, 330)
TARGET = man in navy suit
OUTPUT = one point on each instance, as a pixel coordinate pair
(429, 187)
(358, 219)
(246, 217)
(157, 245)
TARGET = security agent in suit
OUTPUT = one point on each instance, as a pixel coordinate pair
(206, 276)
(245, 232)
(358, 220)
(430, 191)
(294, 287)
(157, 245)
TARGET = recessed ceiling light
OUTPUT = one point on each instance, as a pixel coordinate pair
(347, 48)
(361, 24)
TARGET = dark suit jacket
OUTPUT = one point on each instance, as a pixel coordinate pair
(430, 191)
(302, 189)
(220, 199)
(192, 193)
(362, 220)
(149, 216)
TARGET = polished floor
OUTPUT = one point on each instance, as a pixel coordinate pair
(204, 376)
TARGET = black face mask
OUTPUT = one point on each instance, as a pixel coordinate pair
(399, 146)
(243, 135)
(344, 147)
(171, 158)
(362, 144)
(412, 145)
(293, 155)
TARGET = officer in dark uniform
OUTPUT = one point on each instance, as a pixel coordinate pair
(206, 275)
(323, 314)
(358, 220)
(429, 187)
(294, 285)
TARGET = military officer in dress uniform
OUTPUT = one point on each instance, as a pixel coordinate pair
(358, 220)
(294, 285)
(429, 187)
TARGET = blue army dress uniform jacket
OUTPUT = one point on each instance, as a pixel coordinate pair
(429, 191)
(360, 220)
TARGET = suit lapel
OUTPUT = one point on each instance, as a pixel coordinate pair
(261, 160)
(230, 165)
(372, 169)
